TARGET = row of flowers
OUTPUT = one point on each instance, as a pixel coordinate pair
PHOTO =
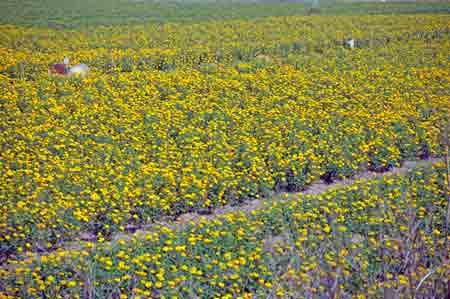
(168, 46)
(359, 241)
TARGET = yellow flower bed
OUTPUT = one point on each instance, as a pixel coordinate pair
(352, 241)
(176, 118)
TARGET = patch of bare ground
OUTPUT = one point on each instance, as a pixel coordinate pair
(246, 208)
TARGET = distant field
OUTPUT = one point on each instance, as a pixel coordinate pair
(68, 14)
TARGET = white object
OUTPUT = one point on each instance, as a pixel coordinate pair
(79, 70)
(66, 60)
(350, 43)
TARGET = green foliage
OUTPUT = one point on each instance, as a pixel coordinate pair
(64, 14)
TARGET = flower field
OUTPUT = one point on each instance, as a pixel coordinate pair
(188, 117)
(351, 242)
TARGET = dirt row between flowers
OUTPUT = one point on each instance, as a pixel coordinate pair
(178, 223)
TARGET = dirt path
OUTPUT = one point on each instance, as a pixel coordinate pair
(318, 188)
(185, 219)
(248, 207)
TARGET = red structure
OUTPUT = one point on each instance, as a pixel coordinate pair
(58, 68)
